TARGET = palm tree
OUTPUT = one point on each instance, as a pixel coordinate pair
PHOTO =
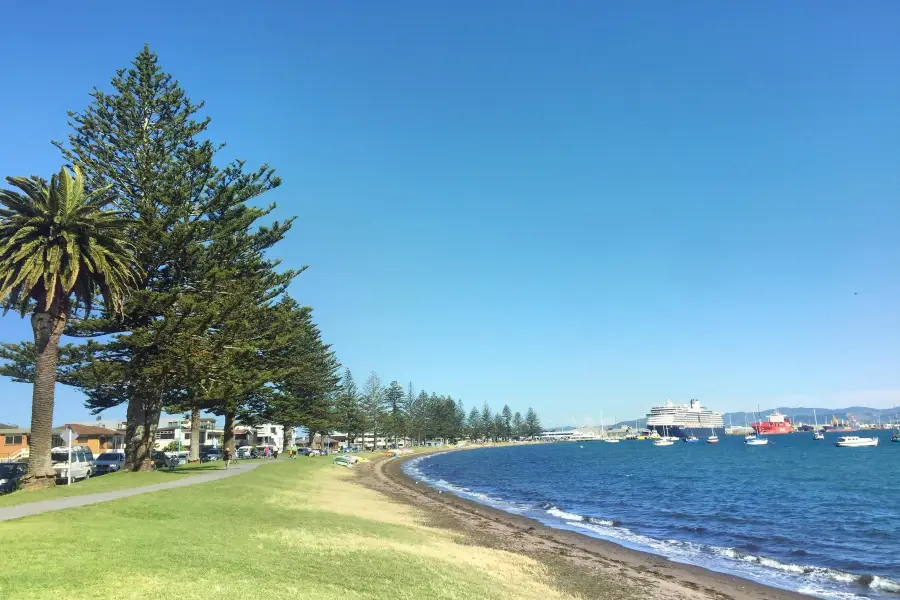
(56, 243)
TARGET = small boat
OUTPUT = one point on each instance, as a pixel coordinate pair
(663, 442)
(713, 438)
(853, 441)
(756, 440)
(691, 439)
(818, 435)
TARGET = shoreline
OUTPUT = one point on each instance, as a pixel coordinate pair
(580, 564)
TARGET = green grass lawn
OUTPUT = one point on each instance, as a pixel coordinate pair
(106, 483)
(289, 529)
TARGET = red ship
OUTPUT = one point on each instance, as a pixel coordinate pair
(775, 423)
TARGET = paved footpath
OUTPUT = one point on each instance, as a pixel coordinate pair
(35, 508)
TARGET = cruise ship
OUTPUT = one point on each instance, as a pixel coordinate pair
(681, 420)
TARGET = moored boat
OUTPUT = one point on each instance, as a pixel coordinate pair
(818, 435)
(757, 440)
(854, 441)
(663, 442)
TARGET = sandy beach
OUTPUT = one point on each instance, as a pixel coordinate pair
(581, 565)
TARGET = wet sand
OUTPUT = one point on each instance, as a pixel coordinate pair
(580, 565)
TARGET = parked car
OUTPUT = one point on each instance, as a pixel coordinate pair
(109, 462)
(208, 454)
(80, 467)
(10, 476)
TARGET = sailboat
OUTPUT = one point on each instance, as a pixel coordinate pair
(691, 438)
(818, 435)
(713, 438)
(749, 436)
(895, 429)
(665, 440)
(608, 440)
(756, 440)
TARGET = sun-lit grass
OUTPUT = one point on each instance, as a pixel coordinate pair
(106, 483)
(291, 529)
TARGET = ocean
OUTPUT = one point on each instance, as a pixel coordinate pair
(797, 514)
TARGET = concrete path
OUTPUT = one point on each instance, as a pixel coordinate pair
(35, 508)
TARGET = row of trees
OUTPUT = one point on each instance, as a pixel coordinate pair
(392, 411)
(160, 261)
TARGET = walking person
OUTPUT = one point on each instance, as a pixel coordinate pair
(227, 456)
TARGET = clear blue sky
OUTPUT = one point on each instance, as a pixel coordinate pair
(576, 206)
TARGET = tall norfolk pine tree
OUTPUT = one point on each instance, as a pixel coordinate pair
(144, 141)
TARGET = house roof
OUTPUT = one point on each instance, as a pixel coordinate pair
(88, 430)
(15, 431)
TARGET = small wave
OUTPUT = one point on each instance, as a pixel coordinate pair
(565, 516)
(555, 511)
(873, 582)
(883, 584)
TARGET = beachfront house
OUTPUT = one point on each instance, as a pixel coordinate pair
(179, 430)
(13, 443)
(267, 434)
(98, 439)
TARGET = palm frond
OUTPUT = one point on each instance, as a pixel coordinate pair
(57, 241)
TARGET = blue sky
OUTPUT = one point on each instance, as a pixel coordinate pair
(577, 206)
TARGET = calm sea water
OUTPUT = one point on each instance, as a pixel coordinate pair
(798, 514)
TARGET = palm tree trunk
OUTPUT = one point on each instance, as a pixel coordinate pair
(47, 330)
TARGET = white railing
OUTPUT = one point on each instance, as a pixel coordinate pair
(16, 456)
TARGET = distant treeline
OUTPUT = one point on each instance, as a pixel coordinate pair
(394, 412)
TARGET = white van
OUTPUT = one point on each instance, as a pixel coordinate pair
(81, 466)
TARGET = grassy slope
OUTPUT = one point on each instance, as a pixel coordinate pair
(294, 529)
(105, 483)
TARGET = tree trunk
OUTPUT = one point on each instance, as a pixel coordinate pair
(140, 432)
(195, 434)
(288, 439)
(47, 329)
(228, 434)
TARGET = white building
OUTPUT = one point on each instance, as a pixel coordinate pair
(267, 434)
(176, 429)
